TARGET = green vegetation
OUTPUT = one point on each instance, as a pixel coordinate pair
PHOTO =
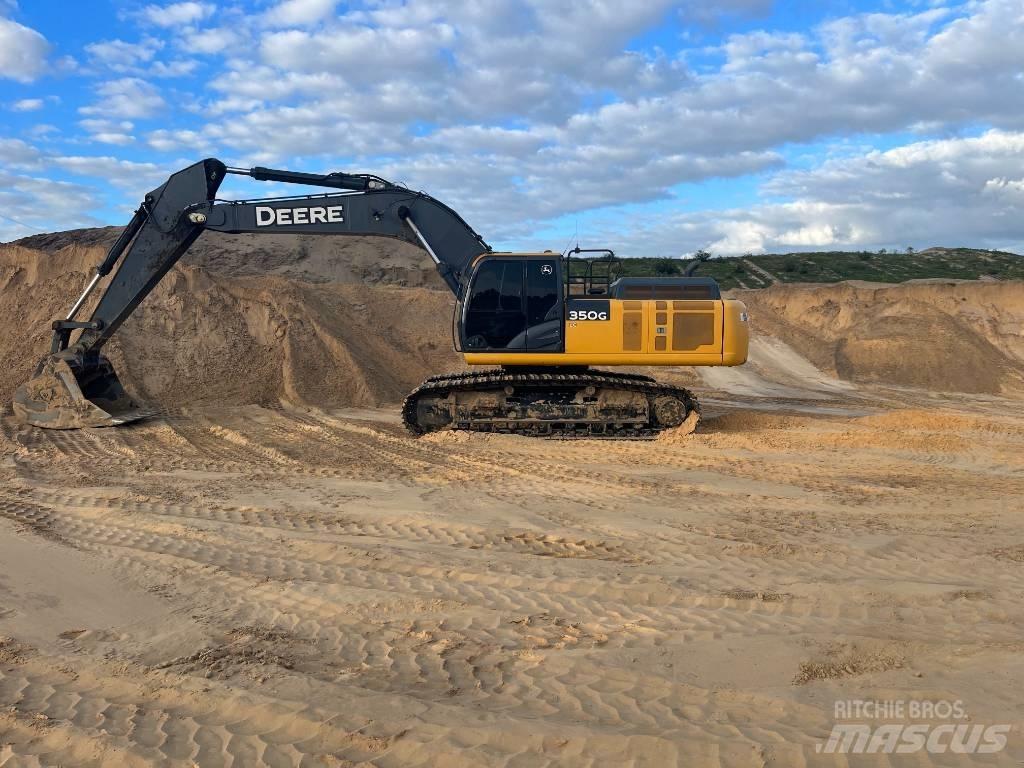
(833, 266)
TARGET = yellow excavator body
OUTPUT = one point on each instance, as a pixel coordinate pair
(645, 332)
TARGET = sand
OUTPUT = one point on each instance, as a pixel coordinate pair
(204, 336)
(309, 258)
(946, 335)
(277, 574)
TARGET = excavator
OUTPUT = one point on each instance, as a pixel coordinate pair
(540, 322)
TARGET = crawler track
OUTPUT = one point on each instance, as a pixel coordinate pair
(545, 403)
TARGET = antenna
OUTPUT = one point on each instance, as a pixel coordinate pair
(576, 237)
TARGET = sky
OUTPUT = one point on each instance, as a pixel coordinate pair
(651, 127)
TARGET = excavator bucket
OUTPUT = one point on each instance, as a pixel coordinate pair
(66, 393)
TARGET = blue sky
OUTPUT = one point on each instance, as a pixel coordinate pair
(653, 127)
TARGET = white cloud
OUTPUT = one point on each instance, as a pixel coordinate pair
(37, 204)
(41, 204)
(950, 191)
(22, 52)
(27, 105)
(15, 153)
(520, 111)
(112, 137)
(299, 13)
(209, 41)
(164, 140)
(125, 174)
(109, 131)
(516, 114)
(121, 56)
(32, 204)
(1009, 189)
(358, 53)
(176, 14)
(711, 13)
(43, 131)
(175, 68)
(128, 97)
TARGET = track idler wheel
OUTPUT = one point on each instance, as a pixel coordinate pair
(670, 411)
(68, 393)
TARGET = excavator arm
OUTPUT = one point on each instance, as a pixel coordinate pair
(76, 386)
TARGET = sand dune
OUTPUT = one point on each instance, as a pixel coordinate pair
(273, 573)
(948, 335)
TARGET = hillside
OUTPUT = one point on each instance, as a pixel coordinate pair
(758, 271)
(311, 258)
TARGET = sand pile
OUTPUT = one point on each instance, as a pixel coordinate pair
(204, 337)
(954, 336)
(304, 257)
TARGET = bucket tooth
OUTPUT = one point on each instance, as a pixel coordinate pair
(68, 393)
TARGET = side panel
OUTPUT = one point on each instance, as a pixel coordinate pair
(594, 326)
(688, 327)
(643, 333)
(650, 328)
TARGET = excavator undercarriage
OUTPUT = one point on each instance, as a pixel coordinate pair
(552, 403)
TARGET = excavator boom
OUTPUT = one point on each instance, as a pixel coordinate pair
(76, 386)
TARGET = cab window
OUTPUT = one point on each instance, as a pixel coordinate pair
(495, 316)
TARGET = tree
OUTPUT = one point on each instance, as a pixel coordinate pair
(665, 267)
(910, 250)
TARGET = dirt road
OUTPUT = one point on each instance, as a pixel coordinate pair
(284, 587)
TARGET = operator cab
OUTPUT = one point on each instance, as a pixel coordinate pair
(514, 303)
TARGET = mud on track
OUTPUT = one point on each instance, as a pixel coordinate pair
(285, 587)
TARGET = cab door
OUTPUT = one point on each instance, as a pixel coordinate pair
(544, 305)
(494, 317)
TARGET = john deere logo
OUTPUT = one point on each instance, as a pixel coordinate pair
(267, 216)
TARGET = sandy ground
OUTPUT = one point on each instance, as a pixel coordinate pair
(274, 586)
(273, 573)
